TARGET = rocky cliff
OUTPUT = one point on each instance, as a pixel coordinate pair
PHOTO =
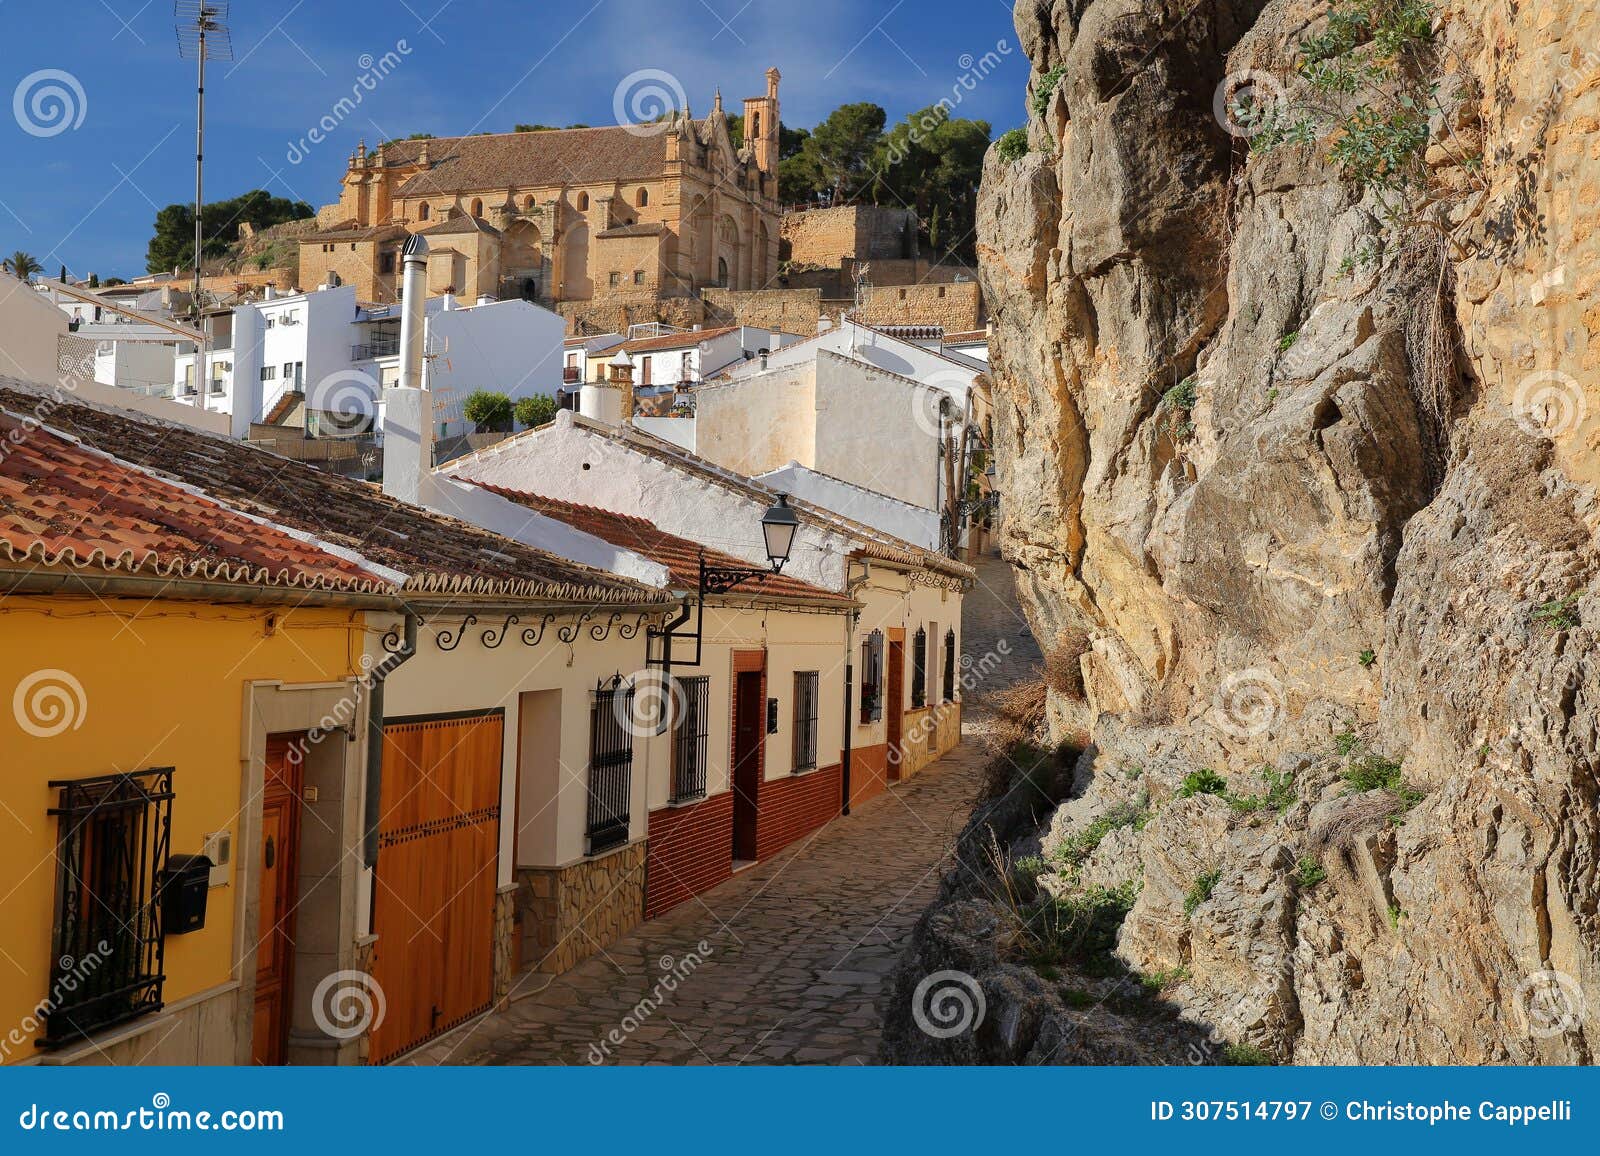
(1310, 455)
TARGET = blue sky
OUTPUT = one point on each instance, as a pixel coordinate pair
(82, 187)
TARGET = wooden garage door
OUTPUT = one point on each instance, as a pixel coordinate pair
(438, 852)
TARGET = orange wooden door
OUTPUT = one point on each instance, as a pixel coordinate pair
(278, 864)
(438, 863)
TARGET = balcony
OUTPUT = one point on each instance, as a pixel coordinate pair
(571, 375)
(381, 345)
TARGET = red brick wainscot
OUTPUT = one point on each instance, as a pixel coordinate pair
(793, 807)
(690, 851)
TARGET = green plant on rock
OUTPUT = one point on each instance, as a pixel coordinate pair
(1346, 741)
(1286, 342)
(1559, 613)
(1201, 890)
(1396, 914)
(1205, 781)
(1076, 849)
(1279, 795)
(1246, 1056)
(1367, 657)
(1163, 978)
(1369, 99)
(1046, 88)
(1183, 395)
(1013, 145)
(1309, 872)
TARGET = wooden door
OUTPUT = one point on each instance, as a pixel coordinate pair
(278, 864)
(894, 704)
(438, 865)
(749, 732)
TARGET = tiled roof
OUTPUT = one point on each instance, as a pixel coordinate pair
(351, 231)
(678, 340)
(62, 504)
(459, 224)
(871, 541)
(971, 337)
(438, 555)
(523, 159)
(679, 555)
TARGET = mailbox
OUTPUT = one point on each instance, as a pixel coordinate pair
(184, 886)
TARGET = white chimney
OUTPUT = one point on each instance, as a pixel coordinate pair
(777, 340)
(485, 299)
(407, 407)
(447, 303)
(271, 293)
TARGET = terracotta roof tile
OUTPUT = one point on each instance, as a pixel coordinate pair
(64, 505)
(437, 554)
(679, 555)
(523, 159)
(459, 224)
(678, 340)
(637, 229)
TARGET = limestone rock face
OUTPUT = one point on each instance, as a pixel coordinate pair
(1387, 469)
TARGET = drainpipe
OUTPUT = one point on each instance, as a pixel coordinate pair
(374, 800)
(849, 698)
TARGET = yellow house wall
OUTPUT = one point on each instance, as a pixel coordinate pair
(162, 684)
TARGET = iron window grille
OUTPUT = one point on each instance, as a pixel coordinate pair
(919, 668)
(691, 740)
(806, 698)
(949, 666)
(611, 727)
(872, 677)
(107, 957)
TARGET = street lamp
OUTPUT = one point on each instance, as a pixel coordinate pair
(778, 527)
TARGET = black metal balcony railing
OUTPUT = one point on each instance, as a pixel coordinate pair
(381, 345)
(571, 375)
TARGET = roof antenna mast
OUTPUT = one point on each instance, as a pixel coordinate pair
(202, 36)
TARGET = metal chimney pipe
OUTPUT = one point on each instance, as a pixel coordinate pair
(413, 308)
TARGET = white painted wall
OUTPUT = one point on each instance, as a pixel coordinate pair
(883, 351)
(892, 516)
(510, 347)
(568, 461)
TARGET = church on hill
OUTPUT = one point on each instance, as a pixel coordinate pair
(606, 225)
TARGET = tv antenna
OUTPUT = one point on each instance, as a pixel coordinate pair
(202, 36)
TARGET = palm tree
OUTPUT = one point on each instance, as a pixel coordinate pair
(21, 265)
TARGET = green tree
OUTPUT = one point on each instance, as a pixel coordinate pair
(172, 246)
(536, 410)
(21, 265)
(933, 162)
(487, 410)
(841, 148)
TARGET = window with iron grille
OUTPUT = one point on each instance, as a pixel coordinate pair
(949, 666)
(610, 765)
(106, 955)
(691, 738)
(919, 668)
(806, 697)
(872, 677)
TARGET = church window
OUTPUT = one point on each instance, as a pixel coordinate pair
(583, 202)
(477, 206)
(643, 198)
(424, 211)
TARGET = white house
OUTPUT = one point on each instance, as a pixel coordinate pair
(904, 648)
(916, 524)
(326, 352)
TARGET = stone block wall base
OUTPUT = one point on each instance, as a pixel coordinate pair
(569, 913)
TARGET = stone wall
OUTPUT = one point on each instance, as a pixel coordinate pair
(788, 310)
(958, 307)
(569, 913)
(614, 313)
(867, 232)
(929, 734)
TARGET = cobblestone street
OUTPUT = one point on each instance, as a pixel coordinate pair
(800, 946)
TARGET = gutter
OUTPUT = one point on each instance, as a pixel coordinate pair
(373, 809)
(186, 589)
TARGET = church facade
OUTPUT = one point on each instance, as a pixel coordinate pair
(604, 224)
